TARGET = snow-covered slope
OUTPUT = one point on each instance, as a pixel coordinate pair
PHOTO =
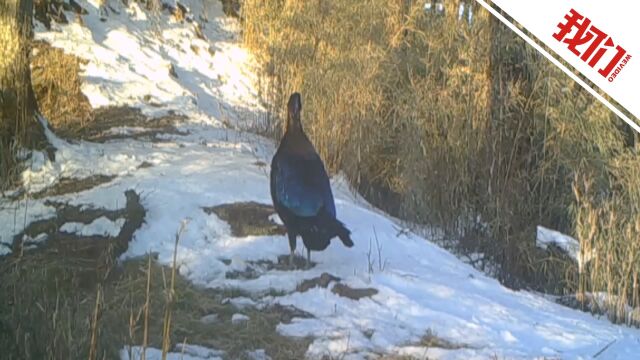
(131, 53)
(421, 288)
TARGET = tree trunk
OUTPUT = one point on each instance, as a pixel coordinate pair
(19, 127)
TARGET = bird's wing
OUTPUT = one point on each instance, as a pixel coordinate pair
(301, 184)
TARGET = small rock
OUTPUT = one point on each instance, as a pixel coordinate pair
(237, 319)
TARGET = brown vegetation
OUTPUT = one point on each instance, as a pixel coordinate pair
(459, 125)
(57, 86)
(19, 128)
(247, 218)
(71, 299)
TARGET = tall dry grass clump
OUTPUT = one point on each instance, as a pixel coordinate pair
(444, 121)
(57, 86)
(376, 85)
(607, 223)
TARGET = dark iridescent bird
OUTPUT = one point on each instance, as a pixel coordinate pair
(301, 191)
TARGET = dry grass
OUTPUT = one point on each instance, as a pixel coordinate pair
(57, 86)
(429, 341)
(445, 123)
(67, 185)
(108, 118)
(608, 226)
(247, 218)
(231, 7)
(45, 314)
(70, 299)
(19, 128)
(432, 340)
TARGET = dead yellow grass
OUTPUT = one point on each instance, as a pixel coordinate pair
(57, 86)
(45, 314)
(457, 125)
(70, 299)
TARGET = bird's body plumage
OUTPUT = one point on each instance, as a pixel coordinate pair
(301, 191)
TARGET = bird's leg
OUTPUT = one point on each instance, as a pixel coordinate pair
(308, 258)
(292, 247)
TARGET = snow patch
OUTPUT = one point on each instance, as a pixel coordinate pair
(101, 226)
(240, 302)
(276, 219)
(569, 245)
(182, 352)
(259, 354)
(38, 239)
(209, 319)
(130, 56)
(16, 215)
(238, 319)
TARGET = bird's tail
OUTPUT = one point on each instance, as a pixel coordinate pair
(343, 233)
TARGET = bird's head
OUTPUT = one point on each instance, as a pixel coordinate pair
(293, 112)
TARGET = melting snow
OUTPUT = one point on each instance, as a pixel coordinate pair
(101, 226)
(258, 355)
(182, 352)
(16, 215)
(238, 319)
(569, 245)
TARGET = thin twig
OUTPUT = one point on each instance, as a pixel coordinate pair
(166, 337)
(94, 326)
(604, 348)
(145, 337)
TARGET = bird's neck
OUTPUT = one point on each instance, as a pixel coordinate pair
(293, 124)
(296, 140)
